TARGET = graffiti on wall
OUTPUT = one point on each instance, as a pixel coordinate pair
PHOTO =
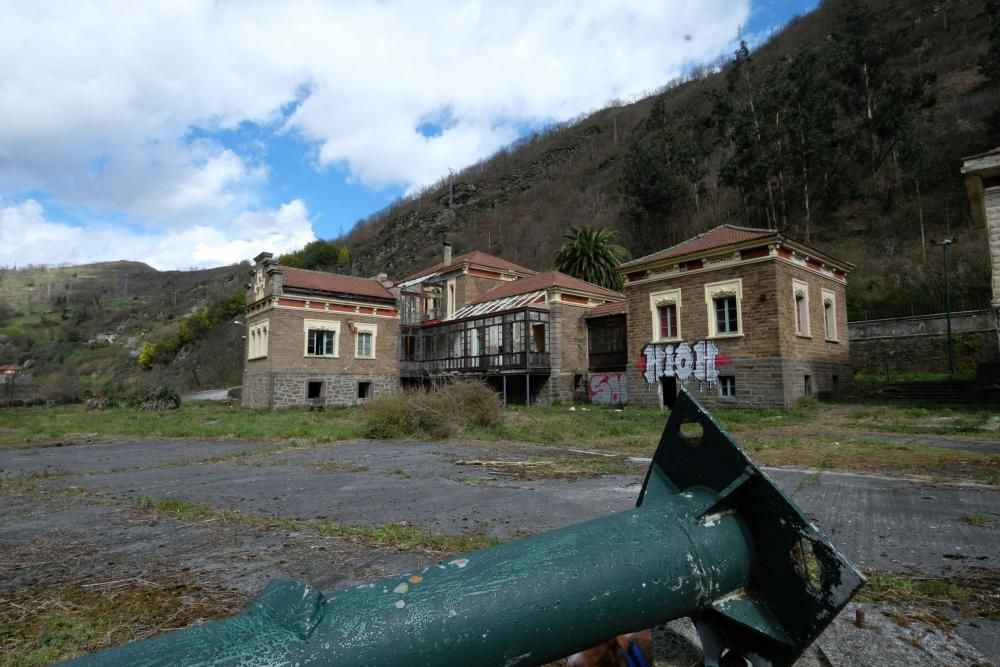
(698, 362)
(609, 388)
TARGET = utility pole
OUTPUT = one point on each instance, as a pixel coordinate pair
(947, 301)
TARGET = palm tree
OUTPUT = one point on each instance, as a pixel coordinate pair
(590, 254)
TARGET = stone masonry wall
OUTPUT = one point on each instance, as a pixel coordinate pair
(262, 383)
(991, 200)
(919, 344)
(760, 339)
(568, 353)
(814, 347)
(341, 389)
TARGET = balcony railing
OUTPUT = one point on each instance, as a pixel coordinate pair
(483, 363)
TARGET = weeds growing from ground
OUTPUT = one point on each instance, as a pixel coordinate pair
(442, 412)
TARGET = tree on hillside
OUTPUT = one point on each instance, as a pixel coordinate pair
(318, 256)
(591, 254)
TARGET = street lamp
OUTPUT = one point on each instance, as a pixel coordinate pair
(947, 300)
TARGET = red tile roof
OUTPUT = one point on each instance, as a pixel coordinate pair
(475, 257)
(606, 309)
(544, 281)
(719, 237)
(331, 282)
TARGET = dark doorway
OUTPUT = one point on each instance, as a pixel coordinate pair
(314, 390)
(668, 385)
(364, 390)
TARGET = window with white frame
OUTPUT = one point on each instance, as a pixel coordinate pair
(364, 340)
(727, 385)
(322, 338)
(829, 314)
(665, 308)
(451, 302)
(257, 339)
(724, 301)
(800, 301)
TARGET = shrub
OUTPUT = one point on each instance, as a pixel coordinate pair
(144, 398)
(155, 398)
(442, 412)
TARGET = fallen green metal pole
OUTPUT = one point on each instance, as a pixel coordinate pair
(711, 538)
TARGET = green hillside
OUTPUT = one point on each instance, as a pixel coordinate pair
(57, 321)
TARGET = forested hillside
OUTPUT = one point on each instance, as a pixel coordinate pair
(115, 326)
(845, 130)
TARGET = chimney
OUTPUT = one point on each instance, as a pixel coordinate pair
(447, 253)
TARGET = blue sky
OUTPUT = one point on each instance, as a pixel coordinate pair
(199, 133)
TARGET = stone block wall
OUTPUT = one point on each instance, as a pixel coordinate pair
(280, 378)
(568, 354)
(759, 313)
(991, 200)
(815, 346)
(919, 344)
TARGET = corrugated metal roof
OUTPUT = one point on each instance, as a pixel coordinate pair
(320, 281)
(497, 305)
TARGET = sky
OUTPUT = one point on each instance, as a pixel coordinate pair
(198, 133)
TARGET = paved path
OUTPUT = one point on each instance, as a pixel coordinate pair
(878, 522)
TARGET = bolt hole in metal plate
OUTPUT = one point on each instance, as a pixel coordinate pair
(807, 565)
(691, 433)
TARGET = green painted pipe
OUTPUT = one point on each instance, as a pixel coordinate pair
(685, 550)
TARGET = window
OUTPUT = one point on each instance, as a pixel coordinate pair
(665, 307)
(257, 339)
(364, 340)
(321, 338)
(538, 338)
(726, 318)
(829, 315)
(364, 390)
(727, 385)
(321, 343)
(724, 301)
(409, 347)
(450, 303)
(800, 297)
(314, 390)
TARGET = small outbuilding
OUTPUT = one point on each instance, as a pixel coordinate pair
(315, 338)
(740, 316)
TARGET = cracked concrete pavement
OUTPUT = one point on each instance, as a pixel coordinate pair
(885, 523)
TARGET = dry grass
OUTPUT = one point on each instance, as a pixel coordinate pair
(971, 591)
(443, 412)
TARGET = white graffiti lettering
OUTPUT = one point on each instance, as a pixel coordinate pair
(682, 361)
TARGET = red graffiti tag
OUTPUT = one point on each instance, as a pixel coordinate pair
(721, 359)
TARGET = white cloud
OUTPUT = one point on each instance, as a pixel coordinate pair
(35, 239)
(100, 98)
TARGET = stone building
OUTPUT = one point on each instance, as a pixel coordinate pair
(743, 317)
(982, 180)
(317, 338)
(481, 316)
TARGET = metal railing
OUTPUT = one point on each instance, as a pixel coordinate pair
(483, 363)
